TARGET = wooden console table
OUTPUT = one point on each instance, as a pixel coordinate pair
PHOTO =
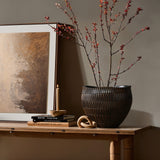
(115, 136)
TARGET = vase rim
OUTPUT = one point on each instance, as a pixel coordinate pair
(120, 86)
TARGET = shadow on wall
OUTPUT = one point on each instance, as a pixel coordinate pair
(69, 77)
(138, 118)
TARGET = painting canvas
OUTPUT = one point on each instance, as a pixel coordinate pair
(27, 70)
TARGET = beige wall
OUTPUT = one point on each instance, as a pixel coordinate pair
(144, 78)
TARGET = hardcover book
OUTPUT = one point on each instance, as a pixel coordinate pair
(49, 118)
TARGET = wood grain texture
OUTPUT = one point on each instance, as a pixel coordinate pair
(52, 124)
(128, 148)
(115, 150)
(23, 127)
(115, 135)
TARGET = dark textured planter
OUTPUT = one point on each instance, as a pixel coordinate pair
(108, 106)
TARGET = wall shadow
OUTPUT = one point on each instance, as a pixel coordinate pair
(69, 77)
(138, 118)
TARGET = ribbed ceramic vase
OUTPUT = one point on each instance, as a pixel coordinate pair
(108, 106)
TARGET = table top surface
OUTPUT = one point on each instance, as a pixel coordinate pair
(23, 127)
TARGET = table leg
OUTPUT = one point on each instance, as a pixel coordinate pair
(128, 148)
(115, 150)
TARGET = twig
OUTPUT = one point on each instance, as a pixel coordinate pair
(130, 40)
(128, 68)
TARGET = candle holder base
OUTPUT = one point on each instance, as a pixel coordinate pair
(55, 113)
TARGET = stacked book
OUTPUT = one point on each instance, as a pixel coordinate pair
(52, 121)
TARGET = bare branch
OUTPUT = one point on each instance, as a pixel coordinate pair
(131, 39)
(128, 68)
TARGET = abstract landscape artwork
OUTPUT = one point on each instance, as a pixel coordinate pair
(26, 71)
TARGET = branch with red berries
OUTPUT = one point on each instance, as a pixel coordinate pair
(113, 21)
(116, 75)
(107, 8)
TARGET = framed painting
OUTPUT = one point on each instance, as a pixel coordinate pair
(27, 70)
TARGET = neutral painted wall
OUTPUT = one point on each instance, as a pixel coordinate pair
(144, 78)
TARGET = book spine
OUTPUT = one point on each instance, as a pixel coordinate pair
(52, 120)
